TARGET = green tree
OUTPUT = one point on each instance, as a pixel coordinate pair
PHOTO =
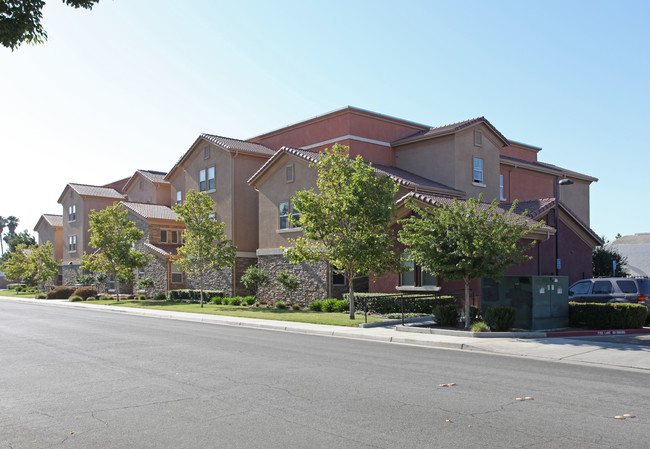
(602, 261)
(255, 277)
(347, 222)
(114, 237)
(14, 239)
(33, 264)
(466, 240)
(20, 20)
(205, 245)
(287, 281)
(3, 223)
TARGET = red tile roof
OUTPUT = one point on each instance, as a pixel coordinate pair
(449, 129)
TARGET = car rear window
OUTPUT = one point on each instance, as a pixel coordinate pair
(602, 287)
(644, 286)
(627, 286)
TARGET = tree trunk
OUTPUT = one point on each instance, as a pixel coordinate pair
(468, 318)
(201, 293)
(351, 298)
(117, 288)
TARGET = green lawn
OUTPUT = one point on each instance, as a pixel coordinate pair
(15, 294)
(301, 316)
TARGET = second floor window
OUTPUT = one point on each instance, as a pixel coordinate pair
(179, 197)
(169, 236)
(206, 179)
(284, 211)
(502, 190)
(72, 243)
(72, 212)
(478, 170)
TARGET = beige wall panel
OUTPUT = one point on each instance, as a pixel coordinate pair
(432, 159)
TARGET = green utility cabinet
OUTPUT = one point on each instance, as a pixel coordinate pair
(542, 302)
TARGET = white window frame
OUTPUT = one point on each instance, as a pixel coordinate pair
(284, 218)
(478, 173)
(212, 179)
(72, 213)
(177, 271)
(179, 197)
(72, 244)
(203, 183)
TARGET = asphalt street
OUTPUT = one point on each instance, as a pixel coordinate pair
(84, 379)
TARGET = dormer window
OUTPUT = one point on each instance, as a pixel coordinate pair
(168, 236)
(478, 138)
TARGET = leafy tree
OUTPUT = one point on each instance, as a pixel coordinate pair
(205, 246)
(255, 277)
(347, 222)
(14, 239)
(20, 20)
(85, 279)
(466, 240)
(145, 283)
(288, 281)
(114, 237)
(602, 261)
(33, 264)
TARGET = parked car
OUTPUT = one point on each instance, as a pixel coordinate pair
(632, 290)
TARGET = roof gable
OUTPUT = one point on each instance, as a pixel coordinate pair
(151, 211)
(55, 221)
(226, 144)
(93, 191)
(154, 177)
(452, 128)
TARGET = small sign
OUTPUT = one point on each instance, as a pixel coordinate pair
(559, 264)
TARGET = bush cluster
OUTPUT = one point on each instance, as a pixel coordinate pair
(15, 286)
(447, 314)
(75, 298)
(392, 303)
(106, 297)
(193, 295)
(607, 316)
(85, 292)
(160, 296)
(61, 292)
(330, 305)
(500, 318)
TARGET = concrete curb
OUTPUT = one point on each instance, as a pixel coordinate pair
(450, 332)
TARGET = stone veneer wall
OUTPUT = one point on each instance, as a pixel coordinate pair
(157, 271)
(213, 280)
(70, 273)
(312, 280)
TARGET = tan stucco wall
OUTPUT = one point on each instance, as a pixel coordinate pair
(466, 151)
(432, 159)
(273, 190)
(54, 234)
(246, 232)
(576, 197)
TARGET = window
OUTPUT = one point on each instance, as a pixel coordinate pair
(206, 179)
(602, 287)
(501, 189)
(289, 173)
(177, 274)
(581, 288)
(284, 211)
(206, 152)
(72, 212)
(627, 286)
(140, 185)
(478, 138)
(415, 276)
(168, 236)
(72, 243)
(179, 197)
(284, 216)
(338, 279)
(478, 170)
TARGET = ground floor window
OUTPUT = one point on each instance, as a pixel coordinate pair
(177, 274)
(415, 276)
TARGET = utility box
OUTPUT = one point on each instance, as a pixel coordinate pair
(542, 302)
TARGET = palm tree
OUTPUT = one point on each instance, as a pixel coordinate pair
(12, 224)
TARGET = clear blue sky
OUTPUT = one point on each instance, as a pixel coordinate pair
(130, 85)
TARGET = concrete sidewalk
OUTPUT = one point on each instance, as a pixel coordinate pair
(570, 350)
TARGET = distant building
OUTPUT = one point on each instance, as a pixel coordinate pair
(637, 250)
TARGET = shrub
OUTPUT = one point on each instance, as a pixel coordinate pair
(85, 279)
(85, 292)
(61, 292)
(106, 298)
(475, 314)
(248, 300)
(41, 296)
(216, 300)
(142, 297)
(316, 305)
(255, 277)
(75, 298)
(160, 296)
(145, 282)
(295, 306)
(288, 281)
(91, 298)
(500, 318)
(386, 303)
(446, 315)
(479, 326)
(257, 303)
(342, 305)
(14, 286)
(280, 305)
(236, 301)
(607, 316)
(193, 295)
(328, 305)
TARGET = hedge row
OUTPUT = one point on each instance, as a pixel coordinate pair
(618, 315)
(392, 303)
(194, 295)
